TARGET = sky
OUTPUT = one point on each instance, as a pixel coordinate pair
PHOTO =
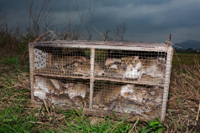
(146, 20)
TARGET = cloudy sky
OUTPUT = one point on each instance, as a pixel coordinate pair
(146, 20)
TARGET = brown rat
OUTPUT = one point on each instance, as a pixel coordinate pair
(45, 84)
(156, 97)
(86, 100)
(114, 67)
(38, 92)
(78, 89)
(152, 67)
(140, 94)
(85, 69)
(127, 60)
(79, 101)
(123, 105)
(112, 61)
(58, 85)
(111, 93)
(133, 68)
(60, 100)
(65, 60)
(67, 85)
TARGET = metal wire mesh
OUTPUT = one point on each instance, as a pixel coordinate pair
(106, 78)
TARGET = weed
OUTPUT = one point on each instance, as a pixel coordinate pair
(10, 60)
(14, 119)
(153, 126)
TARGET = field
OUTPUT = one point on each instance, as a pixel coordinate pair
(184, 59)
(18, 115)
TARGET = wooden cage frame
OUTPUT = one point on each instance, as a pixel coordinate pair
(92, 45)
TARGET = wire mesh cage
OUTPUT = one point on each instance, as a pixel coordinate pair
(102, 77)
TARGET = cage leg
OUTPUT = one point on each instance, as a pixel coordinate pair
(167, 82)
(31, 60)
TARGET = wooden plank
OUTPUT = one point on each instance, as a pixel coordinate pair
(103, 78)
(101, 113)
(92, 56)
(31, 61)
(160, 47)
(111, 43)
(167, 82)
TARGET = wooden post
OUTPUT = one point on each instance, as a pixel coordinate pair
(167, 82)
(31, 61)
(92, 56)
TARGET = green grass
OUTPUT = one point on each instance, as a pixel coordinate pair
(184, 59)
(14, 119)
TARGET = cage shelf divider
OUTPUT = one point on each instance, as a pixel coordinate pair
(91, 75)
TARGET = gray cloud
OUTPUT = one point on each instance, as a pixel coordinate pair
(147, 21)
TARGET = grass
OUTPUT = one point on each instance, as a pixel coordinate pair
(184, 59)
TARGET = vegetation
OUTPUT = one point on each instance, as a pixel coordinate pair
(18, 115)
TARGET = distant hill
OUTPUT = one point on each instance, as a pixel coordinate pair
(189, 44)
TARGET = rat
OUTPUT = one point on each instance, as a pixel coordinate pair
(45, 84)
(161, 61)
(86, 100)
(60, 100)
(151, 67)
(79, 101)
(110, 93)
(134, 108)
(76, 64)
(67, 85)
(148, 66)
(114, 66)
(129, 67)
(38, 92)
(58, 85)
(115, 105)
(85, 68)
(156, 97)
(126, 60)
(77, 89)
(133, 69)
(140, 94)
(111, 61)
(123, 106)
(65, 60)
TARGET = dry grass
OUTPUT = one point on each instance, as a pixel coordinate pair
(184, 99)
(184, 59)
